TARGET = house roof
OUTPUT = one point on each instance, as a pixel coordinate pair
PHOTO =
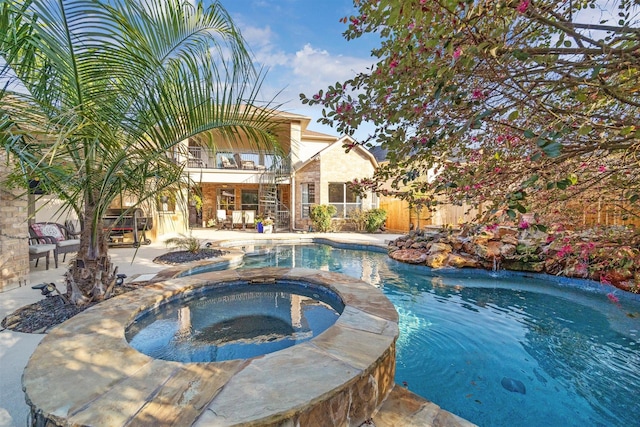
(338, 144)
(311, 134)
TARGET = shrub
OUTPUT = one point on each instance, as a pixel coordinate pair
(321, 217)
(186, 243)
(374, 219)
(359, 219)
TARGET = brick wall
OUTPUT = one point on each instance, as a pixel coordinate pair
(14, 250)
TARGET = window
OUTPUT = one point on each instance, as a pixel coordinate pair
(226, 200)
(249, 200)
(308, 198)
(343, 198)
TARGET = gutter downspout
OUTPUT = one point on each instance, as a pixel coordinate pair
(292, 223)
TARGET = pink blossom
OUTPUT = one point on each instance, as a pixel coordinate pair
(602, 168)
(564, 251)
(411, 26)
(393, 64)
(457, 52)
(492, 227)
(523, 225)
(477, 94)
(523, 6)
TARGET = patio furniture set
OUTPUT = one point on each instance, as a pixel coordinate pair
(50, 238)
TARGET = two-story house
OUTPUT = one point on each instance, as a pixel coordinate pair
(239, 181)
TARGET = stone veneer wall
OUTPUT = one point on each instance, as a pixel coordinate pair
(14, 250)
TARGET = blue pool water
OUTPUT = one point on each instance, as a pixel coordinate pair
(235, 321)
(499, 349)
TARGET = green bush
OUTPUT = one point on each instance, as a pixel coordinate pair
(375, 219)
(359, 219)
(321, 217)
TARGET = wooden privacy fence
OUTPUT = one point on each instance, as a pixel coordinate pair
(401, 218)
(575, 214)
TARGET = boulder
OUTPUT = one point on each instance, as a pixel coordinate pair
(439, 247)
(437, 260)
(507, 250)
(510, 239)
(419, 245)
(489, 250)
(462, 261)
(410, 256)
(506, 231)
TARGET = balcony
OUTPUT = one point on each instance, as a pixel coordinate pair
(247, 161)
(201, 158)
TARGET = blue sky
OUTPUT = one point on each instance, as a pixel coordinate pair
(301, 44)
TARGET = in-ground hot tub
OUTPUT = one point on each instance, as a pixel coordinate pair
(338, 377)
(235, 321)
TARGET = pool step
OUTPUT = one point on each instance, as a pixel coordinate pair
(404, 408)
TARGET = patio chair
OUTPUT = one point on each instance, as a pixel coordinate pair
(236, 219)
(244, 164)
(65, 240)
(249, 217)
(228, 163)
(38, 248)
(221, 217)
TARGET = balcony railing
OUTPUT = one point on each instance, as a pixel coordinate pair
(199, 157)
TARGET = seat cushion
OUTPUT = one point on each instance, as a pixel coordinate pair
(68, 243)
(41, 249)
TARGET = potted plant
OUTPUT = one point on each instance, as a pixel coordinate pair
(264, 225)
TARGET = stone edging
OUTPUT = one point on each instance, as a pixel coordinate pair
(85, 373)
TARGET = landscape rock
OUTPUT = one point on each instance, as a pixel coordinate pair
(462, 261)
(440, 247)
(508, 250)
(437, 260)
(410, 256)
(510, 239)
(489, 250)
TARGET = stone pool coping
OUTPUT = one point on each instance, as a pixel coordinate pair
(85, 373)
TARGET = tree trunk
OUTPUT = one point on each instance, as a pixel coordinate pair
(91, 272)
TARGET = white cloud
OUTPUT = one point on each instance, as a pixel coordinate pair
(291, 72)
(320, 68)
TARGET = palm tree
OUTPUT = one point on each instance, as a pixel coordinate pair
(96, 93)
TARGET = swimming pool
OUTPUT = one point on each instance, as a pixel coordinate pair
(499, 349)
